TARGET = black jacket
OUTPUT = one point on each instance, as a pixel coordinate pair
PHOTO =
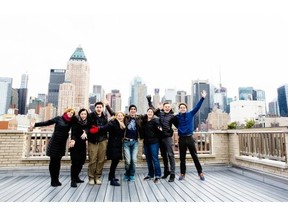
(97, 121)
(116, 135)
(150, 130)
(58, 141)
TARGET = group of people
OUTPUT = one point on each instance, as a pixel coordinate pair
(118, 137)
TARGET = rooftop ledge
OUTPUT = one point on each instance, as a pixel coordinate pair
(277, 164)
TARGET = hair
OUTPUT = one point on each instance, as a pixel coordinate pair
(150, 109)
(99, 103)
(183, 104)
(166, 103)
(122, 124)
(81, 110)
(132, 105)
(69, 110)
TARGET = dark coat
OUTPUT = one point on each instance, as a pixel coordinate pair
(78, 152)
(115, 140)
(57, 144)
(150, 131)
(97, 121)
(166, 121)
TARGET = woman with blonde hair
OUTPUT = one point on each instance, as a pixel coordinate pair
(57, 144)
(116, 128)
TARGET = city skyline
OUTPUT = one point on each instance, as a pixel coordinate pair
(167, 45)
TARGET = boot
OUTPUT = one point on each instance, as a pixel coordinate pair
(73, 183)
(78, 180)
(166, 174)
(113, 182)
(172, 178)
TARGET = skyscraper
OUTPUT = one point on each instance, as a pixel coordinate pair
(78, 73)
(57, 77)
(197, 87)
(24, 81)
(138, 95)
(6, 93)
(282, 92)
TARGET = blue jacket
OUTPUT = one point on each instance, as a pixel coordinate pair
(185, 120)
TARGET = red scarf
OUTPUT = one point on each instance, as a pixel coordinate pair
(66, 117)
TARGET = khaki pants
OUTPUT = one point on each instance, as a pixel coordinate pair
(96, 155)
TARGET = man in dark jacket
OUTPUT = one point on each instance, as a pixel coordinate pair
(167, 119)
(97, 145)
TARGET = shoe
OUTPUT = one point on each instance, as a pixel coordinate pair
(156, 180)
(147, 178)
(181, 177)
(78, 180)
(202, 176)
(126, 178)
(91, 181)
(73, 183)
(58, 183)
(98, 182)
(54, 184)
(172, 178)
(132, 178)
(113, 182)
(115, 179)
(166, 174)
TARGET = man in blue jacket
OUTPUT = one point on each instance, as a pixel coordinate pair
(185, 133)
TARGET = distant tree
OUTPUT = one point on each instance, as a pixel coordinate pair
(249, 123)
(232, 125)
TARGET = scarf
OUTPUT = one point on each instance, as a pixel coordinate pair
(66, 117)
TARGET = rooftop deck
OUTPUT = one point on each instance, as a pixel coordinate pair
(222, 184)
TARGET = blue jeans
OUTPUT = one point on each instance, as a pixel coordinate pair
(130, 149)
(153, 163)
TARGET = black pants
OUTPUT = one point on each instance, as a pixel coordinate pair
(113, 166)
(54, 168)
(76, 168)
(184, 143)
(167, 154)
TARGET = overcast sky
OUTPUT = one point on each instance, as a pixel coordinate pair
(167, 43)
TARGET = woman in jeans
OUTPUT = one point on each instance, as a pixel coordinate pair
(151, 132)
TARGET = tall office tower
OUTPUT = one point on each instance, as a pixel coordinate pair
(57, 77)
(156, 98)
(197, 87)
(169, 96)
(6, 94)
(22, 100)
(180, 96)
(273, 108)
(42, 97)
(220, 99)
(114, 99)
(245, 93)
(66, 97)
(99, 92)
(282, 93)
(24, 81)
(259, 95)
(138, 95)
(23, 95)
(78, 73)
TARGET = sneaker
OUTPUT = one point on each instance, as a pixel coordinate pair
(132, 178)
(156, 180)
(181, 177)
(126, 178)
(147, 178)
(91, 181)
(202, 176)
(98, 182)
